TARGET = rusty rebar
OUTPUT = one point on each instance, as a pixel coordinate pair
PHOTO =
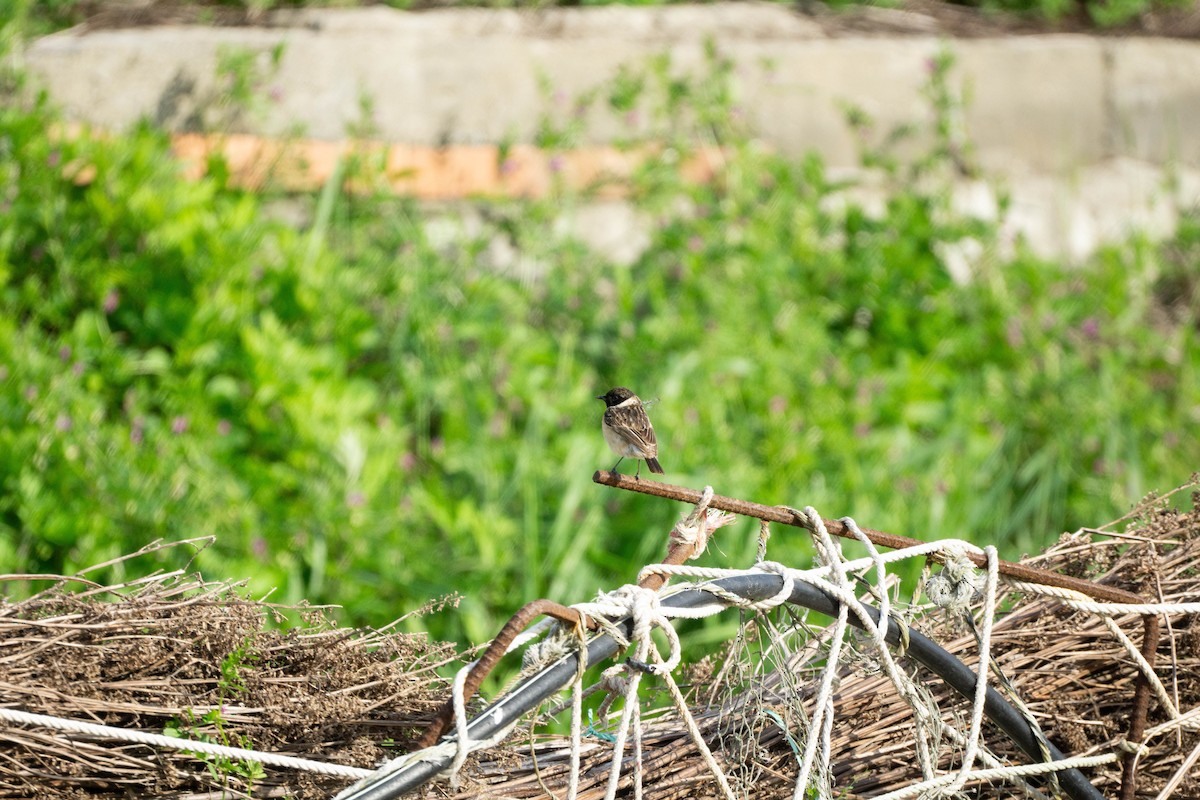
(492, 655)
(1141, 707)
(786, 516)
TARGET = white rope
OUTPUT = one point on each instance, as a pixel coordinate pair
(953, 551)
(642, 613)
(190, 745)
(942, 546)
(693, 729)
(1081, 602)
(647, 612)
(695, 529)
(576, 734)
(880, 573)
(1160, 691)
(1107, 611)
(1003, 773)
(822, 718)
(985, 641)
(1188, 721)
(463, 748)
(577, 710)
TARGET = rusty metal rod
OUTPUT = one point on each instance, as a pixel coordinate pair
(785, 516)
(492, 655)
(1141, 706)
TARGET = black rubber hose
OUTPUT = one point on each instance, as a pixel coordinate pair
(756, 586)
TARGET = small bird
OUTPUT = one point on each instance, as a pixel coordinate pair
(627, 429)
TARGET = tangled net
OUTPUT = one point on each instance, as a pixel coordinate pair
(755, 704)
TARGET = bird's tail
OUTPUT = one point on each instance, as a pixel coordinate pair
(654, 466)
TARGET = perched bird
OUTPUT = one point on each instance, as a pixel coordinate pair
(627, 429)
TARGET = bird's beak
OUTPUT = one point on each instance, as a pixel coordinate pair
(599, 397)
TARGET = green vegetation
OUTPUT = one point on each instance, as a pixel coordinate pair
(384, 407)
(50, 15)
(222, 768)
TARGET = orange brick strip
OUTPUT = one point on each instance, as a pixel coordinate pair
(430, 173)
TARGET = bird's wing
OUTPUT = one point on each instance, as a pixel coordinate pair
(632, 422)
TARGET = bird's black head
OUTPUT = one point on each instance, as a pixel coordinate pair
(615, 396)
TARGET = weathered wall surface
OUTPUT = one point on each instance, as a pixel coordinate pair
(1087, 114)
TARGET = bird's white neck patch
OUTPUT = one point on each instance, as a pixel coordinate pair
(630, 402)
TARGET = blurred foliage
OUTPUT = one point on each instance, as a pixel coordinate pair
(393, 403)
(1102, 13)
(50, 15)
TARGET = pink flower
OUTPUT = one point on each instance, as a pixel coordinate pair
(111, 301)
(179, 425)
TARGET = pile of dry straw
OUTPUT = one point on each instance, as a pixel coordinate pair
(174, 652)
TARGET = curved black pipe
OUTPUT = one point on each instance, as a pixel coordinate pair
(755, 586)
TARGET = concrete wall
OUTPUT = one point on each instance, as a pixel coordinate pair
(1069, 106)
